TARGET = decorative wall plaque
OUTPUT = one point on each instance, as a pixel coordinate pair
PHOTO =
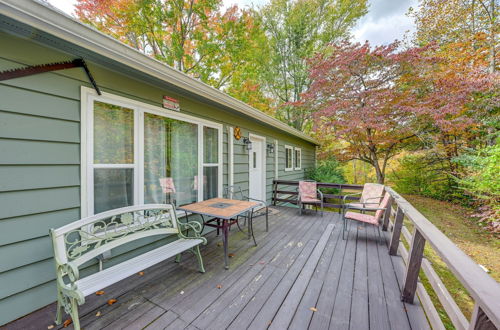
(237, 133)
(171, 103)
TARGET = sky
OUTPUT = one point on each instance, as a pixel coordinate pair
(385, 21)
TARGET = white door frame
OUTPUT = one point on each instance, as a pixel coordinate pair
(254, 137)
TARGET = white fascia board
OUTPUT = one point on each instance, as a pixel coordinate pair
(50, 20)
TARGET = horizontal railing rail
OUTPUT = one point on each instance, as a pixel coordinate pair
(289, 189)
(483, 289)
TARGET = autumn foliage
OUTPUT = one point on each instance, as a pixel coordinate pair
(376, 101)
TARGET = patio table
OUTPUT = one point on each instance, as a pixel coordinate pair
(225, 213)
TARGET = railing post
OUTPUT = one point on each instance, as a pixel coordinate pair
(413, 267)
(387, 214)
(396, 231)
(479, 320)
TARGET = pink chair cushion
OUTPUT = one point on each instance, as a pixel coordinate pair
(167, 185)
(384, 205)
(307, 190)
(310, 200)
(362, 218)
(370, 191)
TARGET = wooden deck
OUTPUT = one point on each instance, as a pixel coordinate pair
(301, 275)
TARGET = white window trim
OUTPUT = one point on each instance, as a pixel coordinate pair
(300, 158)
(288, 169)
(88, 96)
(276, 160)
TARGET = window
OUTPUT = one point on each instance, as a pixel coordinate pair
(139, 154)
(298, 158)
(288, 158)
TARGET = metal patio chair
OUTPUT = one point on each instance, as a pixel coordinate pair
(309, 194)
(235, 192)
(362, 216)
(168, 188)
(372, 194)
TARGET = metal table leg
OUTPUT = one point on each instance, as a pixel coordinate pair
(225, 230)
(250, 226)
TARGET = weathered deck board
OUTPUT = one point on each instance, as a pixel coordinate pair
(297, 265)
(359, 306)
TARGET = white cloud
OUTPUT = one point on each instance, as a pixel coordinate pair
(385, 22)
(245, 3)
(66, 6)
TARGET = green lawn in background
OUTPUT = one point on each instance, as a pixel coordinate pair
(479, 244)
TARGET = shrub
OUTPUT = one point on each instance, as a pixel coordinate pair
(328, 171)
(416, 174)
(482, 182)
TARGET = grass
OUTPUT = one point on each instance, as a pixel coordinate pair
(482, 246)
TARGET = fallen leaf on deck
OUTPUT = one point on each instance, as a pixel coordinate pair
(262, 262)
(50, 326)
(314, 309)
(141, 273)
(98, 314)
(111, 301)
(99, 293)
(219, 286)
(230, 255)
(219, 244)
(67, 322)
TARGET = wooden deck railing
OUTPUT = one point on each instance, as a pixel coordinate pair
(482, 288)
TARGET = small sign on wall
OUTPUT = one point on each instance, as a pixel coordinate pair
(171, 103)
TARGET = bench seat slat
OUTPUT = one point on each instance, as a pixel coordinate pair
(102, 279)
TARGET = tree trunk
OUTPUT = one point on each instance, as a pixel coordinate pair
(380, 174)
(492, 36)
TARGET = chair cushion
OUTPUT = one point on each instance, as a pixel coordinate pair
(362, 218)
(307, 189)
(309, 200)
(102, 279)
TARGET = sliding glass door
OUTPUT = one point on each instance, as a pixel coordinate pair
(139, 154)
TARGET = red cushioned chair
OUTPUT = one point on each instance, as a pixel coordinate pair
(362, 216)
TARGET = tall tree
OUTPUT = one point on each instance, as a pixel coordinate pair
(197, 37)
(296, 29)
(470, 25)
(355, 97)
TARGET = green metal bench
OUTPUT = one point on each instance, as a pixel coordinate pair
(81, 241)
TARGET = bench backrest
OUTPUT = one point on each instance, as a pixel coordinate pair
(85, 239)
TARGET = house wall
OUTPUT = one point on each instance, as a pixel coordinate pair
(40, 164)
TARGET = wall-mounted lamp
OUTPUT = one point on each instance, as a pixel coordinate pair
(247, 143)
(270, 148)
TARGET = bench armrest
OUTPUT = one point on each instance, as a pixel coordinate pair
(195, 226)
(70, 270)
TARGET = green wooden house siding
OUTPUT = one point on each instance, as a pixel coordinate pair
(40, 163)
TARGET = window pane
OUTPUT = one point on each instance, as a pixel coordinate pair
(113, 134)
(170, 160)
(210, 145)
(288, 158)
(297, 158)
(210, 182)
(113, 188)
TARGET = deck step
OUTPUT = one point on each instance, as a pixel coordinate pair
(287, 310)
